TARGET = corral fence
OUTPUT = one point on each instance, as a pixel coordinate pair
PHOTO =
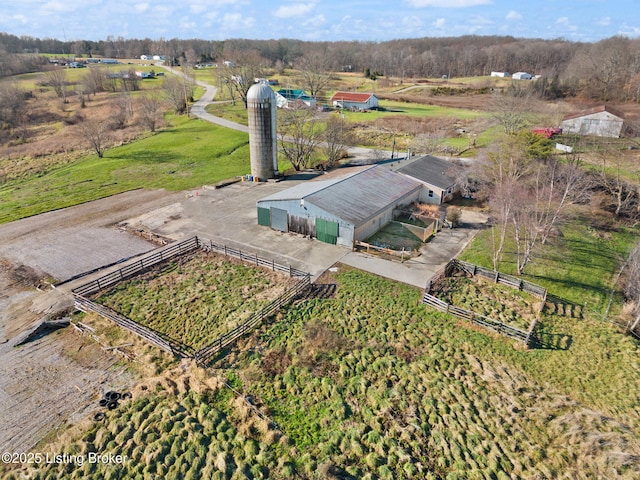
(525, 336)
(164, 342)
(204, 356)
(132, 269)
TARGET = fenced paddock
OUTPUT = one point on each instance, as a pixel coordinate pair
(204, 355)
(525, 336)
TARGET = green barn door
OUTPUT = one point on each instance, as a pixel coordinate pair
(264, 217)
(326, 231)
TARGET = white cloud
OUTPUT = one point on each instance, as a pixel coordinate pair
(447, 3)
(439, 23)
(513, 15)
(294, 10)
(603, 21)
(233, 21)
(566, 25)
(141, 7)
(20, 18)
(629, 31)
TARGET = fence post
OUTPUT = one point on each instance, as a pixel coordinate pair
(273, 265)
(290, 271)
(256, 259)
(497, 276)
(225, 249)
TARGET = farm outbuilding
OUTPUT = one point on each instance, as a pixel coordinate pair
(339, 208)
(288, 98)
(600, 121)
(435, 174)
(355, 101)
(522, 76)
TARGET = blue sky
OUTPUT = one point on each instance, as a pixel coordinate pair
(367, 20)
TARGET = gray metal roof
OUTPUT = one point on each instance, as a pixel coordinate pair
(429, 169)
(355, 197)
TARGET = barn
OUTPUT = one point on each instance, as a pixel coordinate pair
(435, 174)
(600, 121)
(341, 207)
(354, 100)
(288, 98)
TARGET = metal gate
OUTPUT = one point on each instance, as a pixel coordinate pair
(326, 231)
(279, 219)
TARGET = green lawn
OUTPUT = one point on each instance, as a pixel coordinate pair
(579, 265)
(187, 154)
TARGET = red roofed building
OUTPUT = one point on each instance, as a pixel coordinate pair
(355, 101)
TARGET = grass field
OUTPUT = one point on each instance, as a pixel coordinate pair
(373, 385)
(196, 298)
(189, 153)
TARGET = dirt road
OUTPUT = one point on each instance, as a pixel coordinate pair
(44, 382)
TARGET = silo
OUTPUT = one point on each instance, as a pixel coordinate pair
(261, 107)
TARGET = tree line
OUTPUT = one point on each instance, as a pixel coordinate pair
(605, 70)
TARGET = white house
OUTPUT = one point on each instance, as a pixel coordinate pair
(500, 74)
(435, 174)
(355, 101)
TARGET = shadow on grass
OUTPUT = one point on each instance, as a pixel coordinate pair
(148, 157)
(551, 341)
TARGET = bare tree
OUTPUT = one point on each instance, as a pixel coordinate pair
(97, 133)
(57, 78)
(150, 110)
(299, 136)
(13, 108)
(502, 174)
(95, 80)
(316, 67)
(632, 289)
(512, 109)
(540, 202)
(122, 110)
(175, 91)
(336, 136)
(239, 77)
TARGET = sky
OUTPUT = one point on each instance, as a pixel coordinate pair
(319, 20)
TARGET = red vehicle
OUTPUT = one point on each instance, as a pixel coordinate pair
(547, 132)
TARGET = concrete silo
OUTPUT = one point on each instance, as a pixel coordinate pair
(261, 107)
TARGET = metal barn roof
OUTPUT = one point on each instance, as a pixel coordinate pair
(354, 197)
(429, 169)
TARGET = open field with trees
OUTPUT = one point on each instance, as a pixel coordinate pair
(367, 384)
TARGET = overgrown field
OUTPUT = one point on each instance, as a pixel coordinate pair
(499, 302)
(372, 385)
(197, 297)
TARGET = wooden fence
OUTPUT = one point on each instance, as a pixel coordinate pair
(156, 338)
(526, 336)
(205, 354)
(132, 269)
(502, 278)
(210, 245)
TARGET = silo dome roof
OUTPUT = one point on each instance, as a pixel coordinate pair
(259, 93)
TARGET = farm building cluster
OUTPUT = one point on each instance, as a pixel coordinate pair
(350, 205)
